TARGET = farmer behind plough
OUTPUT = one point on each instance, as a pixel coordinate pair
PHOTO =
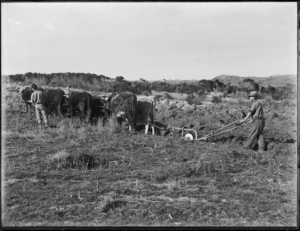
(257, 114)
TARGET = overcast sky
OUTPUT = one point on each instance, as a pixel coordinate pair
(150, 40)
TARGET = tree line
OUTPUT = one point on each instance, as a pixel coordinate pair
(93, 82)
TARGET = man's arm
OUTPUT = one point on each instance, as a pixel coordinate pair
(247, 117)
(31, 98)
(249, 114)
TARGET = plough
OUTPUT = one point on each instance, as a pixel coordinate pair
(221, 130)
(171, 129)
(206, 137)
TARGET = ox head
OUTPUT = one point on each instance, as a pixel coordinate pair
(122, 115)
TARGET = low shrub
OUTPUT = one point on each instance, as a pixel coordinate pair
(269, 103)
(241, 95)
(244, 102)
(216, 99)
(190, 99)
(198, 101)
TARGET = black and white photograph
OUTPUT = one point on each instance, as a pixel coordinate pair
(149, 114)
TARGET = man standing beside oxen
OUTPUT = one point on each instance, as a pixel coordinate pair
(38, 100)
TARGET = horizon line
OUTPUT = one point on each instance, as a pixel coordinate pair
(163, 78)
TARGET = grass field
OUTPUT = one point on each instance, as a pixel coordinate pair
(82, 175)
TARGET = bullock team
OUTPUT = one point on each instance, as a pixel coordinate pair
(124, 106)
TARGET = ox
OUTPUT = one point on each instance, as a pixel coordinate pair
(26, 96)
(80, 102)
(55, 101)
(123, 103)
(145, 111)
(98, 109)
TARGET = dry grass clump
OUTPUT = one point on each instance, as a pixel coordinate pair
(65, 128)
(64, 160)
(110, 203)
(60, 160)
(110, 127)
(69, 130)
(64, 125)
(59, 156)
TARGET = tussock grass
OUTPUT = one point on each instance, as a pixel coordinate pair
(59, 156)
(109, 204)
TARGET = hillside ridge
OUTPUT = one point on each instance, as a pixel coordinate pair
(273, 80)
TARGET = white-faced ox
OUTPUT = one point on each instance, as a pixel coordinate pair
(144, 115)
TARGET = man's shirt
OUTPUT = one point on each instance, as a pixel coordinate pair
(257, 110)
(37, 97)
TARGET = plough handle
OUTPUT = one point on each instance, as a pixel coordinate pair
(227, 125)
(231, 129)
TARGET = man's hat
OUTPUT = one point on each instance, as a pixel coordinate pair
(253, 94)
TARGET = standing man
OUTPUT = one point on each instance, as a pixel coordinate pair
(38, 99)
(257, 115)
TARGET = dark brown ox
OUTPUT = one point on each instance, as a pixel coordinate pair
(145, 114)
(26, 96)
(80, 102)
(55, 101)
(98, 109)
(124, 103)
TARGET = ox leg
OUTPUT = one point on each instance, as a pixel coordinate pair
(82, 114)
(146, 128)
(30, 109)
(59, 110)
(153, 130)
(89, 116)
(71, 110)
(28, 106)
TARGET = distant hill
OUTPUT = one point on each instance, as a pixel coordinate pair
(176, 81)
(273, 80)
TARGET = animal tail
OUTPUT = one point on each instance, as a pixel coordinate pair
(89, 112)
(134, 103)
(153, 110)
(59, 108)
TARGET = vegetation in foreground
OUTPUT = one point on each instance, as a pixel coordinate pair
(76, 174)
